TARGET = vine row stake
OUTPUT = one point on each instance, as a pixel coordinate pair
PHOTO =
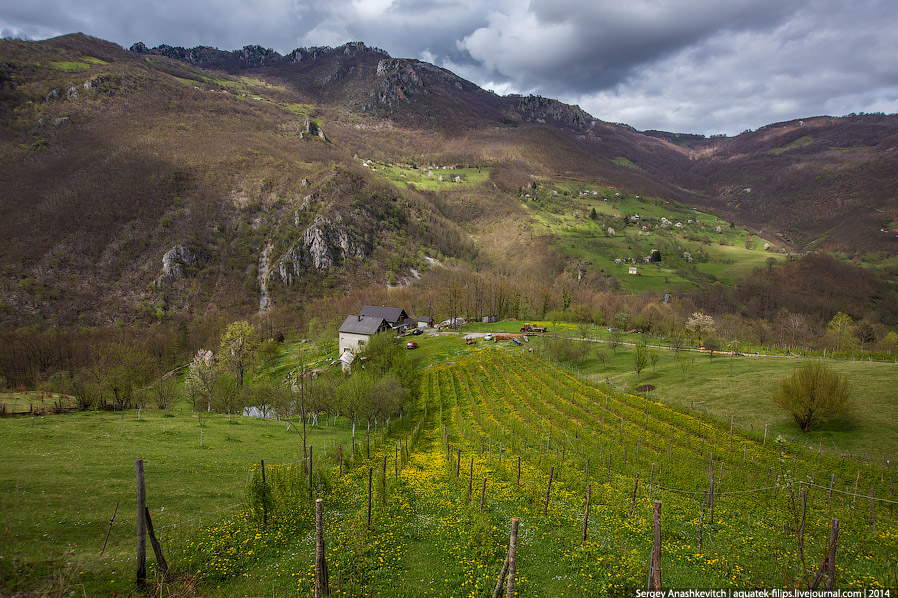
(655, 559)
(264, 505)
(651, 482)
(383, 484)
(633, 499)
(548, 491)
(701, 522)
(828, 566)
(322, 585)
(586, 513)
(370, 474)
(470, 479)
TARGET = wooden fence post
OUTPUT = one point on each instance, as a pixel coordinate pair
(803, 499)
(108, 531)
(829, 498)
(141, 524)
(512, 558)
(711, 498)
(655, 560)
(831, 556)
(873, 508)
(157, 548)
(586, 513)
(322, 585)
(549, 491)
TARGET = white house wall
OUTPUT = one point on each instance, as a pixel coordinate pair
(352, 341)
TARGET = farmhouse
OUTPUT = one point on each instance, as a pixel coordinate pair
(356, 330)
(396, 317)
(371, 320)
(632, 270)
(425, 322)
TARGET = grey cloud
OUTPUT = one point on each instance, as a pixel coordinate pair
(683, 65)
(587, 47)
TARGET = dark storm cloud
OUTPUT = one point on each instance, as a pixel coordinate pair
(685, 65)
(587, 47)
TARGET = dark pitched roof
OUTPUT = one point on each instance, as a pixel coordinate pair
(363, 325)
(393, 315)
(425, 319)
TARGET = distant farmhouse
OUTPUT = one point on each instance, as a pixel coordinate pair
(371, 319)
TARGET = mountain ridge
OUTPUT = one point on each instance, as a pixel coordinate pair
(112, 159)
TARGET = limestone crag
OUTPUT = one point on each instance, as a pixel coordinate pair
(176, 261)
(539, 109)
(325, 245)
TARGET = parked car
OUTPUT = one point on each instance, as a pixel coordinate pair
(418, 331)
(488, 337)
(411, 345)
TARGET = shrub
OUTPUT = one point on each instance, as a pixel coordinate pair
(814, 394)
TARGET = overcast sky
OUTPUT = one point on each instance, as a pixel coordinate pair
(698, 66)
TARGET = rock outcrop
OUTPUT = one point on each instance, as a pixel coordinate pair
(325, 245)
(176, 261)
(539, 109)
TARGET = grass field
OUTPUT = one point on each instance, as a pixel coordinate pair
(431, 179)
(63, 475)
(39, 402)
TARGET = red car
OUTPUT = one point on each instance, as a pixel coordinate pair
(411, 345)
